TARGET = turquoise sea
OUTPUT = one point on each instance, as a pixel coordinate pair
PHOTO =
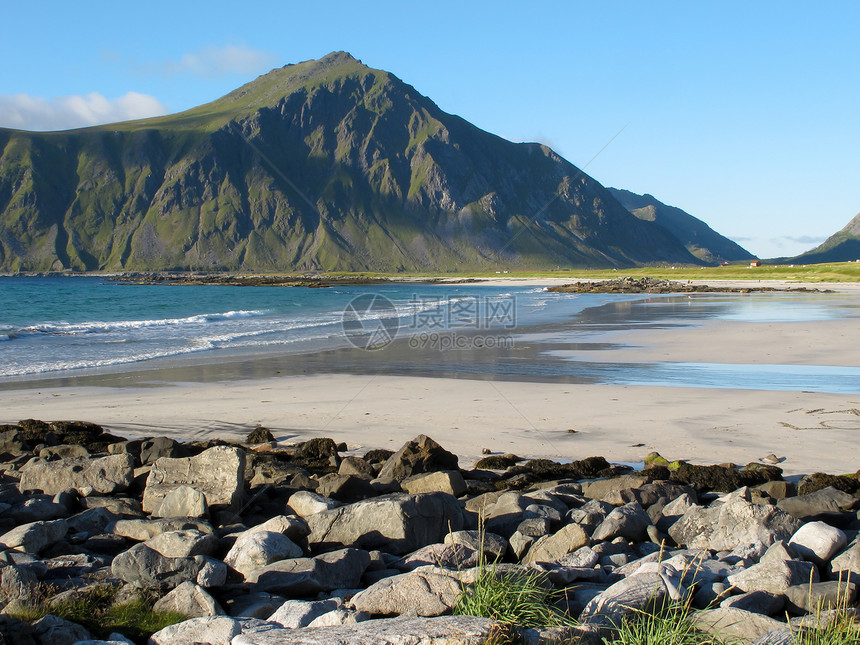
(84, 326)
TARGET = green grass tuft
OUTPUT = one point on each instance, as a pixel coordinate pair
(671, 626)
(95, 610)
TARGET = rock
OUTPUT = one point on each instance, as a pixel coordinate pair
(18, 583)
(610, 490)
(442, 630)
(100, 475)
(300, 613)
(340, 617)
(826, 500)
(154, 449)
(216, 472)
(446, 556)
(396, 523)
(724, 478)
(628, 521)
(735, 523)
(35, 536)
(63, 451)
(15, 632)
(819, 596)
(53, 629)
(429, 591)
(292, 526)
(674, 511)
(305, 503)
(184, 543)
(142, 530)
(345, 488)
(444, 481)
(846, 565)
(758, 602)
(732, 622)
(493, 546)
(93, 521)
(498, 462)
(357, 467)
(520, 544)
(420, 455)
(710, 594)
(819, 481)
(189, 600)
(209, 630)
(319, 449)
(817, 542)
(552, 547)
(255, 549)
(256, 604)
(182, 501)
(775, 572)
(625, 598)
(778, 489)
(121, 506)
(145, 567)
(260, 435)
(306, 576)
(505, 514)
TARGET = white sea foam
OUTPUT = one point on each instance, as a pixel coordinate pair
(97, 326)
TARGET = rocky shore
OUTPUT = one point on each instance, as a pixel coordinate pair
(265, 544)
(655, 285)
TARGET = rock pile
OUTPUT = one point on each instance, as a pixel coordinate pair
(268, 545)
(657, 285)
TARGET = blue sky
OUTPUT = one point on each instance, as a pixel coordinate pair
(747, 115)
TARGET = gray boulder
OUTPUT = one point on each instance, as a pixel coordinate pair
(493, 546)
(737, 522)
(826, 500)
(301, 613)
(184, 543)
(35, 536)
(182, 501)
(613, 490)
(758, 602)
(443, 481)
(429, 591)
(626, 598)
(776, 571)
(817, 542)
(846, 565)
(57, 631)
(255, 549)
(820, 596)
(421, 455)
(100, 475)
(629, 521)
(397, 523)
(306, 503)
(208, 630)
(306, 576)
(216, 472)
(737, 623)
(145, 567)
(552, 547)
(190, 600)
(142, 530)
(292, 526)
(441, 630)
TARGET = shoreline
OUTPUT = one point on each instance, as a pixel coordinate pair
(815, 432)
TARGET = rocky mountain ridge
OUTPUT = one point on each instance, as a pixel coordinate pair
(322, 165)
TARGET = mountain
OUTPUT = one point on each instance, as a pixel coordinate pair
(699, 238)
(322, 165)
(843, 246)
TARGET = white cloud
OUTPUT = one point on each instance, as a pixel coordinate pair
(214, 61)
(26, 112)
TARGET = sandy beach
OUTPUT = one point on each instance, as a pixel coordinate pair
(812, 431)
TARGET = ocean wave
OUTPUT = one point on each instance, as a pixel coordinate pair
(63, 328)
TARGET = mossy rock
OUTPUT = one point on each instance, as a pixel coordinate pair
(260, 435)
(725, 479)
(378, 455)
(817, 481)
(498, 462)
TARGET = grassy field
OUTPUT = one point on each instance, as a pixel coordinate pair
(832, 272)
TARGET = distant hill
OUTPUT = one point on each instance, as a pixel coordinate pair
(699, 238)
(843, 246)
(322, 165)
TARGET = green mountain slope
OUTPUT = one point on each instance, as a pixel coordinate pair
(323, 165)
(843, 246)
(699, 238)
